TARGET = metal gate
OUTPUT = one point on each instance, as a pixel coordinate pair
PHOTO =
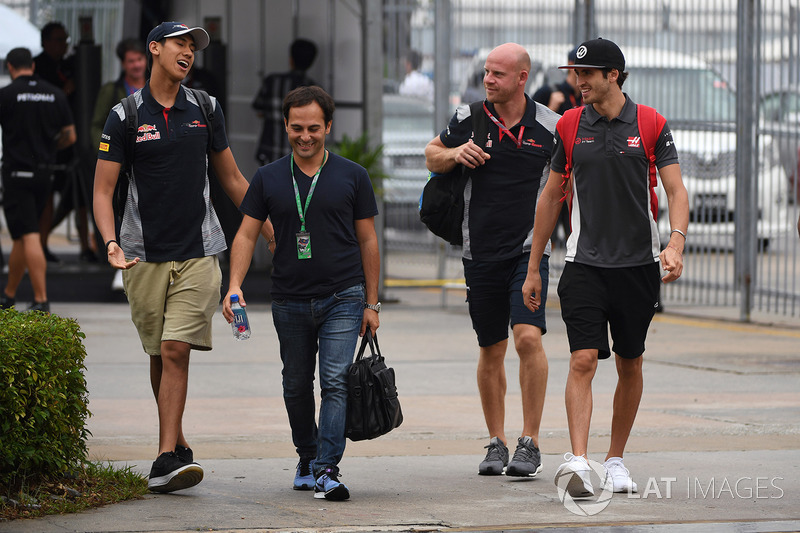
(723, 72)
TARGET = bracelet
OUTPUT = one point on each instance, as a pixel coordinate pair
(678, 231)
(271, 239)
(109, 242)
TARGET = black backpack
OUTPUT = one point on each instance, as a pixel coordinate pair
(441, 205)
(131, 127)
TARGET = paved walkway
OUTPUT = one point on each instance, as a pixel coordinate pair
(716, 446)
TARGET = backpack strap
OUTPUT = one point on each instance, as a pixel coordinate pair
(650, 124)
(567, 128)
(480, 122)
(131, 125)
(208, 112)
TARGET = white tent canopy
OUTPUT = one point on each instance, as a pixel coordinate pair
(16, 31)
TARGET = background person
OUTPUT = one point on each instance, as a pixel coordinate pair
(415, 82)
(36, 121)
(509, 168)
(133, 61)
(269, 100)
(170, 235)
(564, 95)
(560, 98)
(324, 281)
(611, 276)
(56, 67)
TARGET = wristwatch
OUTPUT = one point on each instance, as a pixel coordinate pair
(376, 307)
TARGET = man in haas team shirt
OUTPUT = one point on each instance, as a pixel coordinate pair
(170, 234)
(611, 276)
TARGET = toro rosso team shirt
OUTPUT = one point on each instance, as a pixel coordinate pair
(500, 196)
(168, 213)
(612, 221)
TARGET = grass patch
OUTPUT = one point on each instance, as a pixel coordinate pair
(94, 485)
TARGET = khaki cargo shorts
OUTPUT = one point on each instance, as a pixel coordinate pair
(174, 301)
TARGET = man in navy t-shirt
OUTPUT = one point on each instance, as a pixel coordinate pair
(170, 235)
(507, 169)
(324, 279)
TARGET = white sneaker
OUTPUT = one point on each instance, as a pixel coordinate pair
(620, 476)
(573, 476)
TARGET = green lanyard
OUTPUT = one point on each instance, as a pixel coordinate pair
(301, 210)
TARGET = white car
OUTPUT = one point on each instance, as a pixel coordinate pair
(700, 107)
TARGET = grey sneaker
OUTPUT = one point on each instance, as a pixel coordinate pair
(496, 459)
(527, 461)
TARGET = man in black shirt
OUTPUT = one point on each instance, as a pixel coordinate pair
(508, 168)
(36, 122)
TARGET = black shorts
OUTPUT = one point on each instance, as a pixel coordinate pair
(494, 294)
(24, 197)
(594, 299)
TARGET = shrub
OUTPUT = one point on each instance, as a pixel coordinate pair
(43, 396)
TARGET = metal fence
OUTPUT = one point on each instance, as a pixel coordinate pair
(724, 73)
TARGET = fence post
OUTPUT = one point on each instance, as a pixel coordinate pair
(746, 211)
(372, 61)
(441, 102)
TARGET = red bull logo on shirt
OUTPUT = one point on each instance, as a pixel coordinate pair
(147, 132)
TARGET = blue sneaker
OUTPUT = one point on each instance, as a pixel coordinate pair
(328, 486)
(304, 476)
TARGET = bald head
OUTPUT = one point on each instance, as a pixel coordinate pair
(506, 73)
(512, 54)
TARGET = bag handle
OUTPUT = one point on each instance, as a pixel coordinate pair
(372, 340)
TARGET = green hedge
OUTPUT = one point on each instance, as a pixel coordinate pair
(43, 396)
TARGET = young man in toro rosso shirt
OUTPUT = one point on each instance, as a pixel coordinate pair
(170, 234)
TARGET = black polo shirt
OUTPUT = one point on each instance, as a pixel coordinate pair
(500, 197)
(168, 213)
(32, 114)
(613, 224)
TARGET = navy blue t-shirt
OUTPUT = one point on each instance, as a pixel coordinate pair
(343, 195)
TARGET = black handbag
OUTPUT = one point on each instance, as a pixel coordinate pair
(373, 408)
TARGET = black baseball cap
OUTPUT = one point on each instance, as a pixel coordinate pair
(174, 29)
(598, 53)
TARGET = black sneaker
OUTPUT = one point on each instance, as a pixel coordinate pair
(169, 474)
(50, 257)
(527, 461)
(496, 459)
(43, 307)
(6, 302)
(184, 454)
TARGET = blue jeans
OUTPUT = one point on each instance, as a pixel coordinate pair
(330, 324)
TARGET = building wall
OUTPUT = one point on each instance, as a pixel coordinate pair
(258, 33)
